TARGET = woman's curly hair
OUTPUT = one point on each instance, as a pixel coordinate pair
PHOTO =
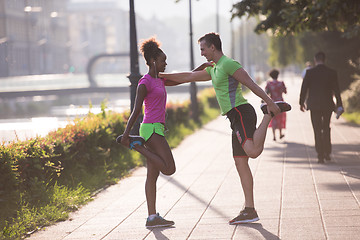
(150, 48)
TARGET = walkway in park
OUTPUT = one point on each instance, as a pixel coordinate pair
(296, 198)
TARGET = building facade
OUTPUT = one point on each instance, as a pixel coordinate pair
(33, 37)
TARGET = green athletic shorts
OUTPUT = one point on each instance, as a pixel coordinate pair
(147, 129)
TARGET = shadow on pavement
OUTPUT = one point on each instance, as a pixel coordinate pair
(158, 233)
(345, 154)
(259, 227)
(352, 172)
(202, 201)
(343, 187)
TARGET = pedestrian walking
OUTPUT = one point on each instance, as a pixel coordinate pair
(275, 89)
(308, 65)
(319, 86)
(227, 76)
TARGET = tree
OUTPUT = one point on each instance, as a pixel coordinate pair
(295, 16)
(285, 50)
(302, 27)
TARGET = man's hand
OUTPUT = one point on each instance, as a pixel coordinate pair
(302, 108)
(204, 65)
(161, 74)
(273, 108)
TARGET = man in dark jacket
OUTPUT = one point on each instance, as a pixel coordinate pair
(319, 86)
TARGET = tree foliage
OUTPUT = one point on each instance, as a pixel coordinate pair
(285, 50)
(295, 16)
(300, 28)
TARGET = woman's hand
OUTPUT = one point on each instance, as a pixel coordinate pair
(125, 140)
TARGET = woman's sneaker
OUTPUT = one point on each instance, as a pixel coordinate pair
(284, 107)
(158, 221)
(134, 140)
(247, 215)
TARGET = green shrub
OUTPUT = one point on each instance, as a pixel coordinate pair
(351, 97)
(44, 178)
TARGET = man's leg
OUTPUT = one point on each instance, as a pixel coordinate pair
(246, 178)
(254, 147)
(248, 214)
(326, 134)
(316, 123)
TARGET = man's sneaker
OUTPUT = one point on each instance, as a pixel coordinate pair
(158, 221)
(247, 215)
(284, 107)
(133, 140)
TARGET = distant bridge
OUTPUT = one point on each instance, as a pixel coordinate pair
(93, 87)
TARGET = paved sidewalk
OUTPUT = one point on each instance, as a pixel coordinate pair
(296, 198)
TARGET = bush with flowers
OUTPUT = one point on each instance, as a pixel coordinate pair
(351, 101)
(44, 178)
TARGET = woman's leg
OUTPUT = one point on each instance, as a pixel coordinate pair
(281, 135)
(150, 187)
(274, 136)
(158, 151)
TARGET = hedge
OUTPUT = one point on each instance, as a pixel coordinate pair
(83, 156)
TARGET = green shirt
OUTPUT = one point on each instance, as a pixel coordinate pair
(228, 90)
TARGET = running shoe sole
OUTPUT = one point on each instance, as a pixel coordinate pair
(157, 226)
(245, 221)
(284, 107)
(133, 140)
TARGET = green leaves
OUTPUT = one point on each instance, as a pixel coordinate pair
(289, 16)
(42, 179)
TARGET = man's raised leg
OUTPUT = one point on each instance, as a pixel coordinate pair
(254, 147)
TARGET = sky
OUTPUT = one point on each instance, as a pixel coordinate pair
(164, 9)
(203, 18)
(168, 8)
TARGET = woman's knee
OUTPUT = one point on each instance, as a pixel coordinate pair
(169, 171)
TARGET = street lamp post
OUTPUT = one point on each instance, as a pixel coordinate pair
(217, 17)
(193, 88)
(134, 76)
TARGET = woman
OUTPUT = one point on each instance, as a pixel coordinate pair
(152, 93)
(275, 89)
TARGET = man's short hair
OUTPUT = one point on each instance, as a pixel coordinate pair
(320, 56)
(212, 38)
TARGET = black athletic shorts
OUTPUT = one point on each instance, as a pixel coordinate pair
(243, 124)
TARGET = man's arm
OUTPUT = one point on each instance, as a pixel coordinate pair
(336, 90)
(170, 82)
(303, 93)
(243, 77)
(185, 77)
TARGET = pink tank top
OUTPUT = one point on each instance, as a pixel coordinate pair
(155, 100)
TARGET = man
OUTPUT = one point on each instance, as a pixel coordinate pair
(320, 83)
(227, 76)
